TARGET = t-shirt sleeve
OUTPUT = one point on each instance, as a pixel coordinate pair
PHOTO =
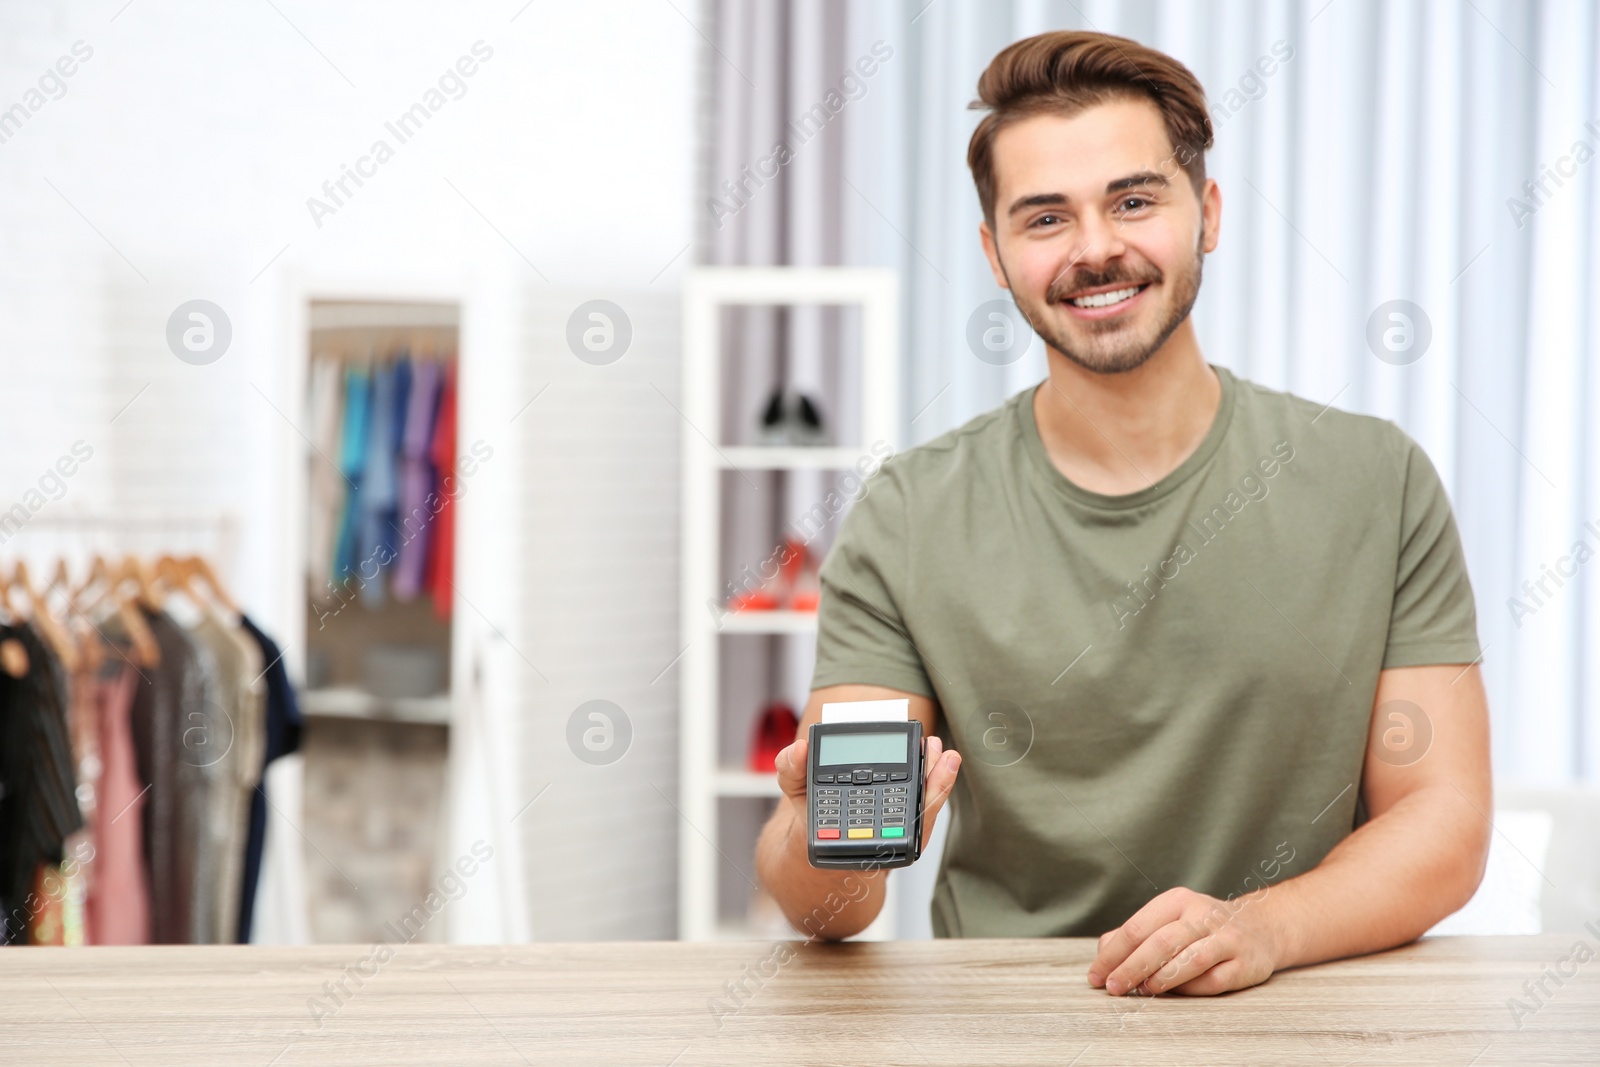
(862, 636)
(1433, 618)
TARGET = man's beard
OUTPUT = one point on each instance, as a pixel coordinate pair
(1114, 357)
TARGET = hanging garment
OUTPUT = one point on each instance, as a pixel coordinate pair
(175, 723)
(404, 382)
(415, 514)
(234, 755)
(442, 546)
(282, 736)
(375, 546)
(78, 855)
(352, 463)
(404, 377)
(327, 484)
(61, 890)
(38, 809)
(118, 904)
(58, 910)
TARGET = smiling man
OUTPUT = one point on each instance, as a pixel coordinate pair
(1196, 657)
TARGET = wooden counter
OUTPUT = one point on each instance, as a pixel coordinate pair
(990, 1002)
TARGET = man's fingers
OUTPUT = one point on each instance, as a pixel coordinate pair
(1225, 976)
(940, 780)
(1194, 961)
(1116, 946)
(1152, 954)
(791, 768)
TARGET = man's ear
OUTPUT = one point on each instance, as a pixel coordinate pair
(1210, 214)
(986, 236)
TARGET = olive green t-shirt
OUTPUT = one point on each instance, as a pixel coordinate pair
(1167, 688)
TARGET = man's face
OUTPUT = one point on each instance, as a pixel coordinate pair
(1098, 232)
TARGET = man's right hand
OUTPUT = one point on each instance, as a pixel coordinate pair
(805, 892)
(938, 779)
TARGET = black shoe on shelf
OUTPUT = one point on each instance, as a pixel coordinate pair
(791, 420)
(806, 428)
(773, 421)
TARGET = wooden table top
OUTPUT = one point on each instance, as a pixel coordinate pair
(990, 1002)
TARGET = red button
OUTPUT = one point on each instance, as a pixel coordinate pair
(828, 834)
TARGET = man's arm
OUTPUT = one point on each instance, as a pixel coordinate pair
(823, 904)
(1419, 858)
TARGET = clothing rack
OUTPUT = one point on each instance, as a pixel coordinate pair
(86, 533)
(134, 737)
(433, 344)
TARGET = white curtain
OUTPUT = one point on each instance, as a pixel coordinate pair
(1431, 152)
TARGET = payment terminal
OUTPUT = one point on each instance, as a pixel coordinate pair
(864, 783)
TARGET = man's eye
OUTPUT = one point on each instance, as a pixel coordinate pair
(1047, 220)
(1134, 203)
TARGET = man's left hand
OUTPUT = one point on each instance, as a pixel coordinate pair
(1190, 943)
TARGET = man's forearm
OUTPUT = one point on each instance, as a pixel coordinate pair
(822, 904)
(1385, 884)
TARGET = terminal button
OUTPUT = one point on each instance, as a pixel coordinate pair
(892, 831)
(828, 835)
(860, 833)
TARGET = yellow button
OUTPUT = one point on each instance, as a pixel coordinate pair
(861, 832)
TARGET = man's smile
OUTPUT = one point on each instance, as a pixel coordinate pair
(1103, 301)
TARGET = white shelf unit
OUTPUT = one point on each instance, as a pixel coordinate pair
(351, 702)
(792, 459)
(703, 783)
(770, 622)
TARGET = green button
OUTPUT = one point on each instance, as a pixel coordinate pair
(894, 831)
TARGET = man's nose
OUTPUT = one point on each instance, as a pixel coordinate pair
(1100, 242)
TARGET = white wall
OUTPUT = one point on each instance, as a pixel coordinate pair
(177, 165)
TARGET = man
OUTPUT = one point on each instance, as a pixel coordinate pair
(1203, 653)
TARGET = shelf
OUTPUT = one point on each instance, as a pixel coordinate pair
(869, 387)
(732, 782)
(348, 702)
(769, 622)
(773, 457)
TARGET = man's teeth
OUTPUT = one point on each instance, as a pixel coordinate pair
(1100, 300)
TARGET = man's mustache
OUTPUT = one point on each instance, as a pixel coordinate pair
(1061, 287)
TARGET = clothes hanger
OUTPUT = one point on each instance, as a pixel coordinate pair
(175, 574)
(116, 577)
(61, 579)
(5, 595)
(141, 572)
(56, 635)
(98, 572)
(147, 651)
(208, 573)
(13, 655)
(88, 638)
(101, 578)
(71, 594)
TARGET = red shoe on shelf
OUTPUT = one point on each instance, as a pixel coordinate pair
(806, 592)
(775, 731)
(795, 587)
(769, 596)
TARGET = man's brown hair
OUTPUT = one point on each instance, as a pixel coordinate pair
(1068, 70)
